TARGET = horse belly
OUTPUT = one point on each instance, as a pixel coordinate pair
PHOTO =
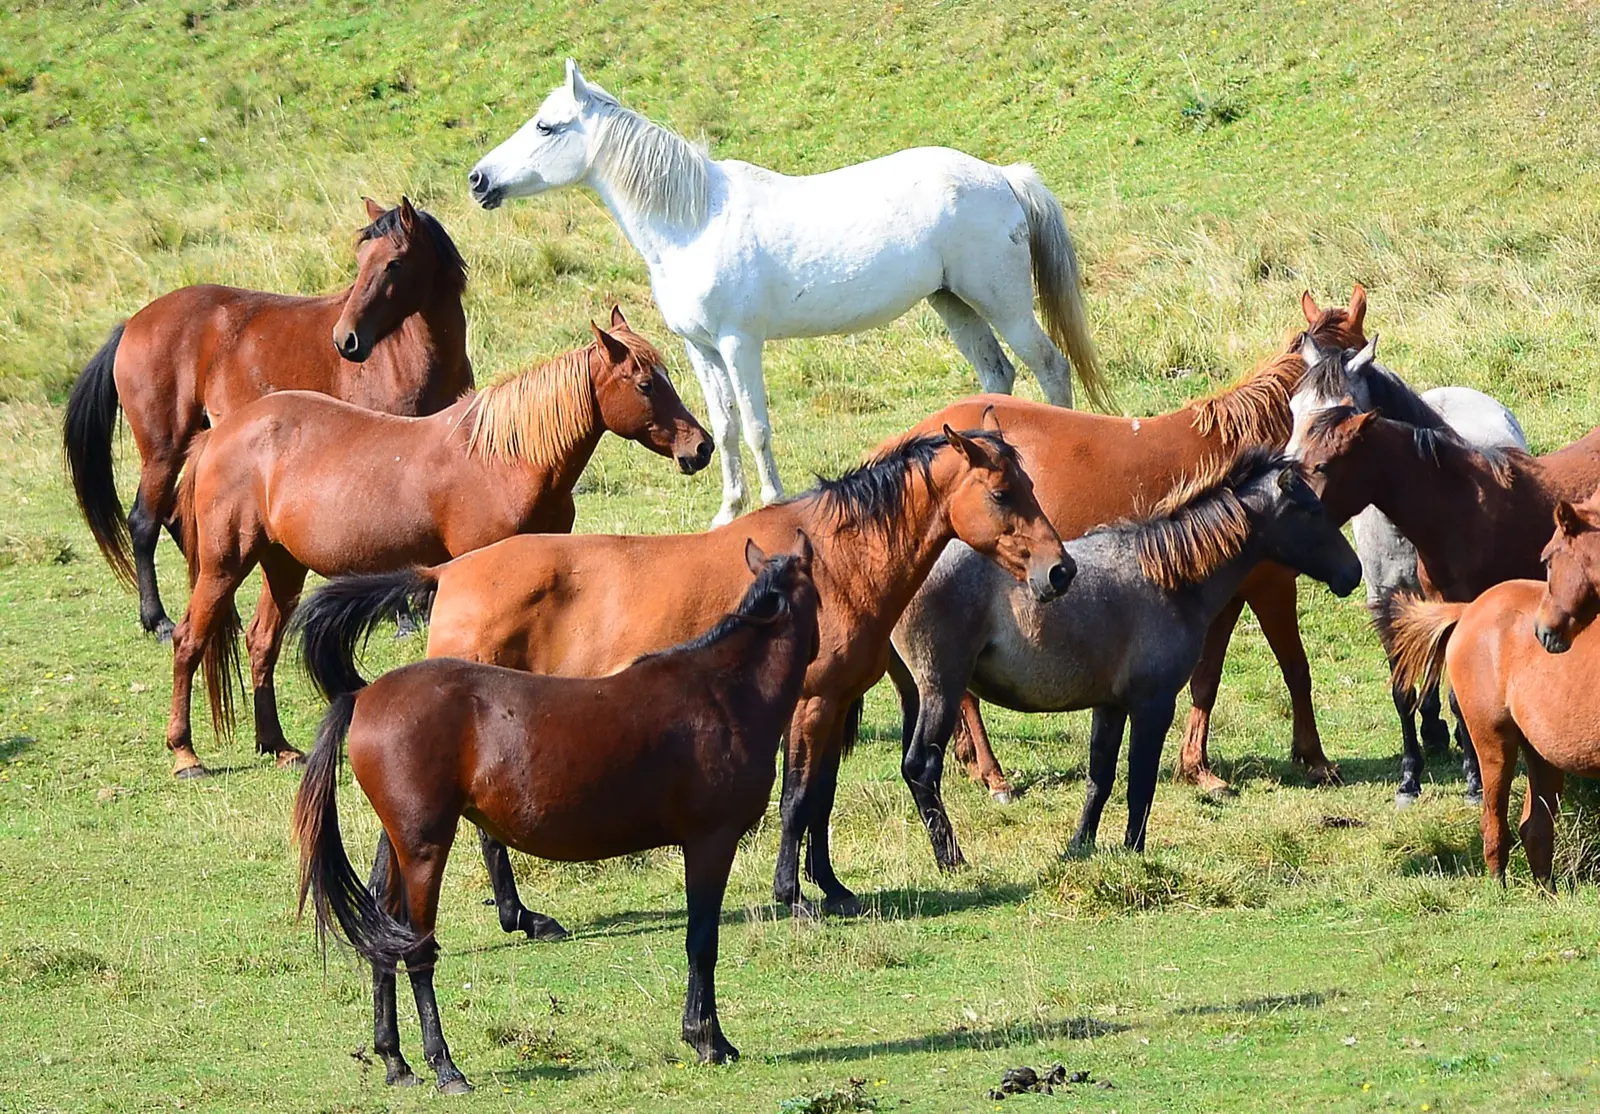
(1551, 698)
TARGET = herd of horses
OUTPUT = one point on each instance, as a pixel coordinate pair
(571, 715)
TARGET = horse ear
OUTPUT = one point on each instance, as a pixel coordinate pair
(963, 445)
(374, 210)
(1287, 479)
(1358, 308)
(1308, 306)
(1364, 358)
(991, 420)
(1359, 421)
(1568, 521)
(617, 320)
(408, 215)
(802, 547)
(575, 83)
(615, 350)
(753, 556)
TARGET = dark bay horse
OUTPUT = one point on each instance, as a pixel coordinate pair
(1522, 660)
(298, 481)
(676, 750)
(1123, 641)
(571, 606)
(1477, 516)
(1133, 462)
(395, 340)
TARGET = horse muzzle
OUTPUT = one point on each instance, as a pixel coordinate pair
(483, 191)
(352, 347)
(690, 463)
(1552, 641)
(1053, 583)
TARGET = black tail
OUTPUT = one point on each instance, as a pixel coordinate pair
(340, 898)
(852, 726)
(338, 618)
(86, 444)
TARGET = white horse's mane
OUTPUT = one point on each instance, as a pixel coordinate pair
(651, 167)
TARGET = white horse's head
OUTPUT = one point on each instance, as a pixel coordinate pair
(554, 149)
(1333, 378)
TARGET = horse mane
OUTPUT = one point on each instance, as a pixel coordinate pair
(752, 609)
(451, 265)
(1392, 396)
(873, 494)
(1200, 523)
(1434, 444)
(1255, 409)
(651, 166)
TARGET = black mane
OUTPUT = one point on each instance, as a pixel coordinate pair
(764, 600)
(874, 494)
(1429, 442)
(1392, 397)
(450, 260)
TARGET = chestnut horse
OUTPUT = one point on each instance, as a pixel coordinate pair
(1522, 663)
(299, 481)
(1134, 461)
(395, 340)
(1477, 516)
(676, 750)
(571, 605)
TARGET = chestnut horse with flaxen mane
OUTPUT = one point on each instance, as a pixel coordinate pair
(571, 605)
(395, 340)
(676, 749)
(299, 481)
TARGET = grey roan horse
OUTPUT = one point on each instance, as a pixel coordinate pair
(1122, 640)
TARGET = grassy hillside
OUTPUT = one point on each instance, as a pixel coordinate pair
(1285, 949)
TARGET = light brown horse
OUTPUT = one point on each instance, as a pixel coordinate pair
(1090, 470)
(675, 750)
(1476, 516)
(572, 605)
(395, 340)
(299, 481)
(1522, 661)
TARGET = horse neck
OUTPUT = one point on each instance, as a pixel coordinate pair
(1212, 594)
(650, 233)
(425, 357)
(762, 670)
(539, 480)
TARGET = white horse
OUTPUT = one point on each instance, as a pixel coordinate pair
(739, 255)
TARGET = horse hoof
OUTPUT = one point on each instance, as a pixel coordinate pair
(802, 909)
(1325, 776)
(163, 630)
(191, 773)
(842, 905)
(1405, 799)
(456, 1086)
(724, 1053)
(407, 1078)
(1000, 796)
(545, 928)
(290, 758)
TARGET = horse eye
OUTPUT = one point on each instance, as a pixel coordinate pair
(391, 266)
(543, 128)
(647, 385)
(1000, 495)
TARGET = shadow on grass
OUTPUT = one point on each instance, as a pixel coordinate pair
(961, 1038)
(15, 745)
(908, 902)
(1444, 772)
(528, 1073)
(1266, 1004)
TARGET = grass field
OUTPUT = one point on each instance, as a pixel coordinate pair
(1286, 949)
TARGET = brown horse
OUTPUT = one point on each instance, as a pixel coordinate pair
(1476, 516)
(299, 481)
(571, 605)
(1133, 462)
(1522, 663)
(188, 359)
(675, 750)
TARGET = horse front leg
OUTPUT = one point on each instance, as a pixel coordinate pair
(1193, 765)
(742, 357)
(812, 718)
(973, 750)
(514, 916)
(1105, 740)
(706, 863)
(1147, 730)
(717, 388)
(1273, 597)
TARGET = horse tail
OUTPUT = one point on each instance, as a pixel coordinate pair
(336, 619)
(1418, 632)
(221, 650)
(86, 434)
(341, 901)
(852, 727)
(1057, 278)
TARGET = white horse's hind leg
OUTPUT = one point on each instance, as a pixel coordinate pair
(715, 385)
(975, 341)
(1022, 332)
(742, 357)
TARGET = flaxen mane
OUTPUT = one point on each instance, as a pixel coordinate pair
(538, 416)
(1255, 410)
(1201, 523)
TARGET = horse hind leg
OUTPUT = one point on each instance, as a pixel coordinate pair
(1469, 754)
(282, 577)
(1431, 727)
(1538, 826)
(1411, 755)
(975, 340)
(422, 868)
(385, 885)
(1021, 330)
(514, 916)
(144, 532)
(1193, 765)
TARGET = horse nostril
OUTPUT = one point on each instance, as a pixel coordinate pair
(475, 180)
(350, 345)
(1060, 578)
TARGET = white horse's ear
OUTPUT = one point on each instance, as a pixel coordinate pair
(578, 87)
(1363, 359)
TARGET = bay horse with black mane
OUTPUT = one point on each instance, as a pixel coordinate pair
(571, 606)
(675, 750)
(394, 340)
(298, 481)
(1522, 660)
(1134, 462)
(1477, 516)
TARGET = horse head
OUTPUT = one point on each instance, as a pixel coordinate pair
(553, 149)
(637, 400)
(1294, 529)
(401, 258)
(1571, 597)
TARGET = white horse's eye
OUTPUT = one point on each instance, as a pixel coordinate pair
(543, 128)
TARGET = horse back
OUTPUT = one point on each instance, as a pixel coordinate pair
(1573, 472)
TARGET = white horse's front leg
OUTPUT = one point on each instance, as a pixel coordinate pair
(718, 390)
(742, 357)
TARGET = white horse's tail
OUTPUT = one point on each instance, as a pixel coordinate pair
(1055, 276)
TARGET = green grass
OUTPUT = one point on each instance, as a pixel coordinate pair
(1288, 949)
